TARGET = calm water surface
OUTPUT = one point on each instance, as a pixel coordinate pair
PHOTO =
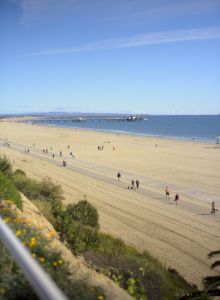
(201, 128)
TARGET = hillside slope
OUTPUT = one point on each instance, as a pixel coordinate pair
(77, 265)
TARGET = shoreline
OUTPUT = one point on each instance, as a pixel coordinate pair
(127, 133)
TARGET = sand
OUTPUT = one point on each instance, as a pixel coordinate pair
(180, 236)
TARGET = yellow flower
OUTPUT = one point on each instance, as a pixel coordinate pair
(18, 232)
(41, 259)
(34, 254)
(6, 220)
(54, 263)
(32, 242)
(101, 297)
(18, 220)
(60, 261)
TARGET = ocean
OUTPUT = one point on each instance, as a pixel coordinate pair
(200, 128)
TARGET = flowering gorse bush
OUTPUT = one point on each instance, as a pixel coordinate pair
(40, 242)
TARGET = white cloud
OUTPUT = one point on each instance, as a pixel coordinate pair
(142, 40)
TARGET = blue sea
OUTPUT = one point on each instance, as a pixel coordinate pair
(200, 128)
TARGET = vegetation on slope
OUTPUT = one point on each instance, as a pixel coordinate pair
(38, 244)
(13, 284)
(8, 191)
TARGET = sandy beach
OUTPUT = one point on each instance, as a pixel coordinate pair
(180, 236)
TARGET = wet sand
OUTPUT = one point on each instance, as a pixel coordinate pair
(180, 236)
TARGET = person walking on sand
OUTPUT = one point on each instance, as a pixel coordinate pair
(119, 175)
(167, 193)
(213, 208)
(137, 184)
(132, 184)
(60, 153)
(64, 163)
(177, 197)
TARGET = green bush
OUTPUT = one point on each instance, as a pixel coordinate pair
(8, 191)
(83, 212)
(80, 238)
(29, 187)
(5, 166)
(38, 190)
(77, 225)
(49, 191)
(19, 172)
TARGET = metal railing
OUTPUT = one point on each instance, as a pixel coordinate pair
(41, 282)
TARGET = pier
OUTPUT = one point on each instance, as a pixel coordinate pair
(77, 119)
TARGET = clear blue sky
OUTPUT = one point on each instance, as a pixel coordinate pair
(139, 56)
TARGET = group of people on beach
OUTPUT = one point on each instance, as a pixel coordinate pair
(6, 144)
(177, 198)
(134, 184)
(71, 154)
(167, 193)
(100, 148)
(45, 151)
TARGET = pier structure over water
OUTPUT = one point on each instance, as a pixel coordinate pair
(116, 118)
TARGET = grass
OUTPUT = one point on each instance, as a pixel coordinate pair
(9, 191)
(46, 208)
